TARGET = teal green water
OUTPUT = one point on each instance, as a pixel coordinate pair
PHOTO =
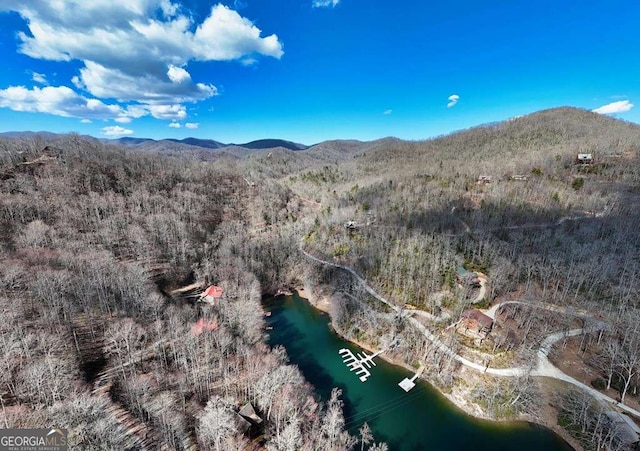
(419, 420)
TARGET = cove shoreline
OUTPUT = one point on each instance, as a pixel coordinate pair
(457, 395)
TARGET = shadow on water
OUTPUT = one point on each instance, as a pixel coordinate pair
(419, 420)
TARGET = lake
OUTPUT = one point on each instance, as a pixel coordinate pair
(422, 419)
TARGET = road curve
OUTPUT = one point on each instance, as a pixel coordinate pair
(545, 368)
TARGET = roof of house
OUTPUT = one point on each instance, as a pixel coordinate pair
(462, 272)
(480, 317)
(584, 156)
(242, 423)
(249, 413)
(212, 291)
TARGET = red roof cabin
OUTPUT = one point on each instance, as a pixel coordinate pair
(211, 294)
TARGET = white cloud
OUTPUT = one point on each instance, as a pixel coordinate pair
(388, 112)
(39, 78)
(57, 100)
(114, 83)
(86, 121)
(77, 82)
(168, 8)
(64, 101)
(174, 112)
(116, 130)
(192, 125)
(136, 111)
(225, 35)
(178, 74)
(248, 61)
(325, 3)
(139, 49)
(620, 106)
(453, 99)
(174, 125)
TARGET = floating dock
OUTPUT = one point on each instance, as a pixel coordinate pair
(359, 363)
(407, 384)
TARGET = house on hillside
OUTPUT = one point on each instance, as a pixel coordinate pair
(211, 294)
(465, 277)
(248, 419)
(518, 178)
(484, 180)
(249, 413)
(473, 320)
(584, 158)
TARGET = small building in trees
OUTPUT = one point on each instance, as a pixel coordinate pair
(518, 178)
(211, 294)
(465, 277)
(242, 424)
(473, 320)
(584, 158)
(249, 413)
(248, 419)
(484, 180)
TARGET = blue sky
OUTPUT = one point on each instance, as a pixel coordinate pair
(309, 70)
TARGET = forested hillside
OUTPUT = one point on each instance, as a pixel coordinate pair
(95, 240)
(560, 223)
(510, 202)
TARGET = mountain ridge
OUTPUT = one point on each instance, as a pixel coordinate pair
(129, 141)
(546, 127)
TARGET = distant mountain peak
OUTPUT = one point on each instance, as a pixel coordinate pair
(272, 143)
(206, 143)
(211, 144)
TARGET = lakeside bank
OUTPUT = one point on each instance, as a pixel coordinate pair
(459, 394)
